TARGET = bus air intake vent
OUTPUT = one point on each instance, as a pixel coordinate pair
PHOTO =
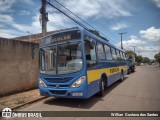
(58, 92)
(58, 80)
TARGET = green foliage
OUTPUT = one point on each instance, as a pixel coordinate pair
(157, 57)
(130, 54)
(153, 61)
(97, 33)
(139, 59)
(146, 60)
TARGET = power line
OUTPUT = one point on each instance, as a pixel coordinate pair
(99, 25)
(75, 14)
(112, 10)
(68, 16)
(80, 18)
(61, 15)
(75, 19)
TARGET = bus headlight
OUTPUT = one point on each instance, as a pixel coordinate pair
(78, 82)
(42, 83)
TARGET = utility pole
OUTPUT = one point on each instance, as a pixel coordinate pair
(121, 38)
(43, 18)
(134, 48)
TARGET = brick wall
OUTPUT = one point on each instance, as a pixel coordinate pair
(18, 69)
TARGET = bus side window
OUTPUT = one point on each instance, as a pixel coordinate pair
(122, 57)
(114, 54)
(100, 51)
(108, 52)
(91, 59)
(118, 55)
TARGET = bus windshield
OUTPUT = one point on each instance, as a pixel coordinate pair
(61, 59)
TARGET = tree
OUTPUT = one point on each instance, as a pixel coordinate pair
(139, 59)
(97, 33)
(146, 60)
(153, 61)
(130, 54)
(157, 57)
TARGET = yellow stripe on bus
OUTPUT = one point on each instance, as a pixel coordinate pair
(96, 74)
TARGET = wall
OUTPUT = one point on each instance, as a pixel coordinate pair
(18, 70)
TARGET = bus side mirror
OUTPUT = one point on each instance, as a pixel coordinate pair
(91, 42)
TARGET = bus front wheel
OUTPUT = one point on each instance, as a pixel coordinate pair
(102, 85)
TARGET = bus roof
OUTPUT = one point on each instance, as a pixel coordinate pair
(63, 30)
(100, 39)
(85, 31)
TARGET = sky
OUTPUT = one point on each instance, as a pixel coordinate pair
(139, 18)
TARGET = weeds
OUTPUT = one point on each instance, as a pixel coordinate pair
(2, 103)
(19, 101)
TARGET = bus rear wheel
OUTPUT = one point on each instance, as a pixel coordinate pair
(122, 77)
(128, 71)
(133, 69)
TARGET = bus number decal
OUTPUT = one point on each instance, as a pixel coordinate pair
(113, 70)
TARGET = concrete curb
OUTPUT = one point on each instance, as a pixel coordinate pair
(27, 103)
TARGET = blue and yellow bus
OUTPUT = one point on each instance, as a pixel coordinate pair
(75, 63)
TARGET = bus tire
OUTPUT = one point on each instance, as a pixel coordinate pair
(128, 71)
(102, 85)
(133, 69)
(122, 76)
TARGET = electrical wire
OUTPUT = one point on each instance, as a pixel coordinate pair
(82, 19)
(75, 19)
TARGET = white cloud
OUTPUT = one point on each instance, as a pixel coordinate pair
(157, 2)
(56, 22)
(24, 12)
(9, 33)
(1, 25)
(151, 34)
(141, 47)
(118, 8)
(29, 2)
(147, 51)
(119, 26)
(86, 9)
(5, 18)
(83, 8)
(9, 28)
(133, 41)
(8, 21)
(5, 5)
(96, 9)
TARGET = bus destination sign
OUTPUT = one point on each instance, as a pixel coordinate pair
(58, 37)
(61, 38)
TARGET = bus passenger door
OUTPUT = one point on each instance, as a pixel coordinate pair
(91, 61)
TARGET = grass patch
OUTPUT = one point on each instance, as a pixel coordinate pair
(2, 103)
(19, 101)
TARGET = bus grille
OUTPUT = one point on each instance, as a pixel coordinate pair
(58, 92)
(60, 86)
(58, 80)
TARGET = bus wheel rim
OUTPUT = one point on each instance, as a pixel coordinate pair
(102, 85)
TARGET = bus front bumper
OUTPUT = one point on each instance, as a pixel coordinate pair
(64, 93)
